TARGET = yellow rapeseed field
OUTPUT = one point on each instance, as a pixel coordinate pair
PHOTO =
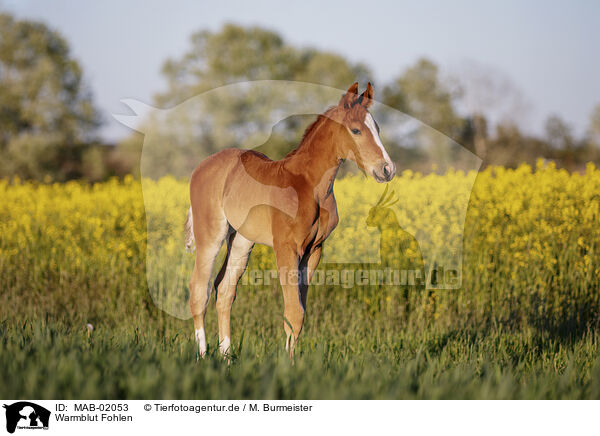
(529, 249)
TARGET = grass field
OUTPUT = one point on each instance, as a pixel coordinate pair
(524, 323)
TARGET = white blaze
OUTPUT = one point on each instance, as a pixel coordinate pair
(370, 123)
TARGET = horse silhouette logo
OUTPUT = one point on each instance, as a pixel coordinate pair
(398, 248)
(26, 415)
(422, 232)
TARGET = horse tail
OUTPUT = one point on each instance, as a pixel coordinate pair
(190, 242)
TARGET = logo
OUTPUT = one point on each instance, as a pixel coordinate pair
(412, 238)
(26, 415)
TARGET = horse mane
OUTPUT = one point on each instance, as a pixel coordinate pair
(310, 129)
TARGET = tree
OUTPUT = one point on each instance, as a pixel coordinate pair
(45, 112)
(237, 54)
(558, 133)
(232, 55)
(594, 128)
(560, 138)
(510, 147)
(420, 93)
(489, 98)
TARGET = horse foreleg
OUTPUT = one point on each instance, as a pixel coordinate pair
(307, 268)
(288, 263)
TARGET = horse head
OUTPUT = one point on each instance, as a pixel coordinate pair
(361, 143)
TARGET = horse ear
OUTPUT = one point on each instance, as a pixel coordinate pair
(350, 96)
(366, 98)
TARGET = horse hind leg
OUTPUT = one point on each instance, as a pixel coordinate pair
(238, 251)
(208, 243)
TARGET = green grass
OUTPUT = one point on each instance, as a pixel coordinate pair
(518, 327)
(50, 360)
(356, 344)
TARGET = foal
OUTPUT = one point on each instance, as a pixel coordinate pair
(243, 198)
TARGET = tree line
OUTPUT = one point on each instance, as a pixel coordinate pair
(49, 122)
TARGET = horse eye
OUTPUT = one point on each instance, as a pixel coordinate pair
(356, 131)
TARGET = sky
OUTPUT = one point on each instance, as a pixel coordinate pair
(548, 49)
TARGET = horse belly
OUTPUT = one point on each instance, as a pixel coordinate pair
(248, 205)
(253, 223)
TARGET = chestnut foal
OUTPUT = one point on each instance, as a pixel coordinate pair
(243, 198)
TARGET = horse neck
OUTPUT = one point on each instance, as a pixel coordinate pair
(316, 157)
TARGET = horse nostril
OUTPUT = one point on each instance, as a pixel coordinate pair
(387, 171)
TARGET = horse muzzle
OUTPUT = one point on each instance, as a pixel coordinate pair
(385, 172)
